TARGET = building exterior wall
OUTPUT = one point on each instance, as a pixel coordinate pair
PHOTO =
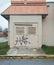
(16, 19)
(11, 29)
(1, 34)
(46, 34)
(48, 26)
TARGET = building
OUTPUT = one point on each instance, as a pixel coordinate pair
(27, 21)
(48, 26)
(1, 34)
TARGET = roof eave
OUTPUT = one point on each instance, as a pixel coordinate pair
(6, 16)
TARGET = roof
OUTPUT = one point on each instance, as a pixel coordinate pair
(26, 10)
(29, 0)
(26, 7)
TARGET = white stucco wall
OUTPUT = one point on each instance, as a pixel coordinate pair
(47, 32)
(48, 26)
(26, 19)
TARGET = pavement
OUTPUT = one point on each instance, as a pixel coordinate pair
(25, 51)
(3, 39)
(26, 61)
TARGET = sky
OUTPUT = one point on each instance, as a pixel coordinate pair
(4, 4)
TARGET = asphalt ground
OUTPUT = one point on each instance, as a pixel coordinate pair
(28, 61)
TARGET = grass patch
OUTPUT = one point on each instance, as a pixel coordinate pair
(48, 49)
(4, 48)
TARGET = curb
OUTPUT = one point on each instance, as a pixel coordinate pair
(25, 56)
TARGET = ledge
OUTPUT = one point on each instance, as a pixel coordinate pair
(25, 56)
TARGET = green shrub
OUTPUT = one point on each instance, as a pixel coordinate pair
(48, 49)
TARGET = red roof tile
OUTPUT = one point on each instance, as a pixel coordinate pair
(31, 7)
(31, 2)
(26, 10)
(28, 0)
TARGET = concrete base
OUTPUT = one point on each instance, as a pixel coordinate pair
(25, 51)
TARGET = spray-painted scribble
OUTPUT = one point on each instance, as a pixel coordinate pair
(22, 40)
